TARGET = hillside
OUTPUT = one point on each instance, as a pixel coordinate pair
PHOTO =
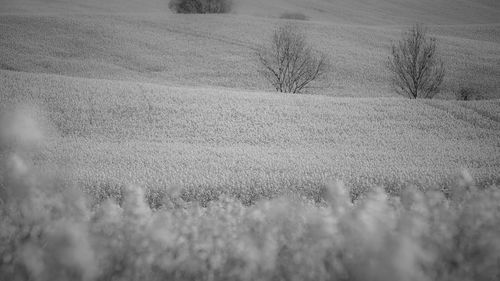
(338, 11)
(130, 86)
(380, 12)
(219, 50)
(252, 143)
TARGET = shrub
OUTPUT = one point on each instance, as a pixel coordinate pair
(468, 93)
(290, 64)
(417, 72)
(200, 6)
(293, 16)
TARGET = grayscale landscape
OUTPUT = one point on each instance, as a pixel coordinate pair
(253, 140)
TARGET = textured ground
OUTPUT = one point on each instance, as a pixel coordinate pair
(138, 94)
(144, 42)
(339, 11)
(214, 139)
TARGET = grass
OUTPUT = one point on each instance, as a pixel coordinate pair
(377, 12)
(220, 51)
(293, 16)
(49, 231)
(252, 144)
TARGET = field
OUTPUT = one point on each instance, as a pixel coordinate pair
(149, 144)
(198, 50)
(253, 143)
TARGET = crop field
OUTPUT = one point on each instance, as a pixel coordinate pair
(140, 144)
(255, 144)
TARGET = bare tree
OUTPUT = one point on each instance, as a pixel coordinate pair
(290, 64)
(417, 72)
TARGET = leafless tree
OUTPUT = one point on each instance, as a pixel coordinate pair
(289, 63)
(417, 72)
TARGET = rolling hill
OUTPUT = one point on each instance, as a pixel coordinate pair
(338, 11)
(252, 144)
(220, 50)
(380, 12)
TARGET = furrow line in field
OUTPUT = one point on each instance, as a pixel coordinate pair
(211, 37)
(484, 113)
(464, 114)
